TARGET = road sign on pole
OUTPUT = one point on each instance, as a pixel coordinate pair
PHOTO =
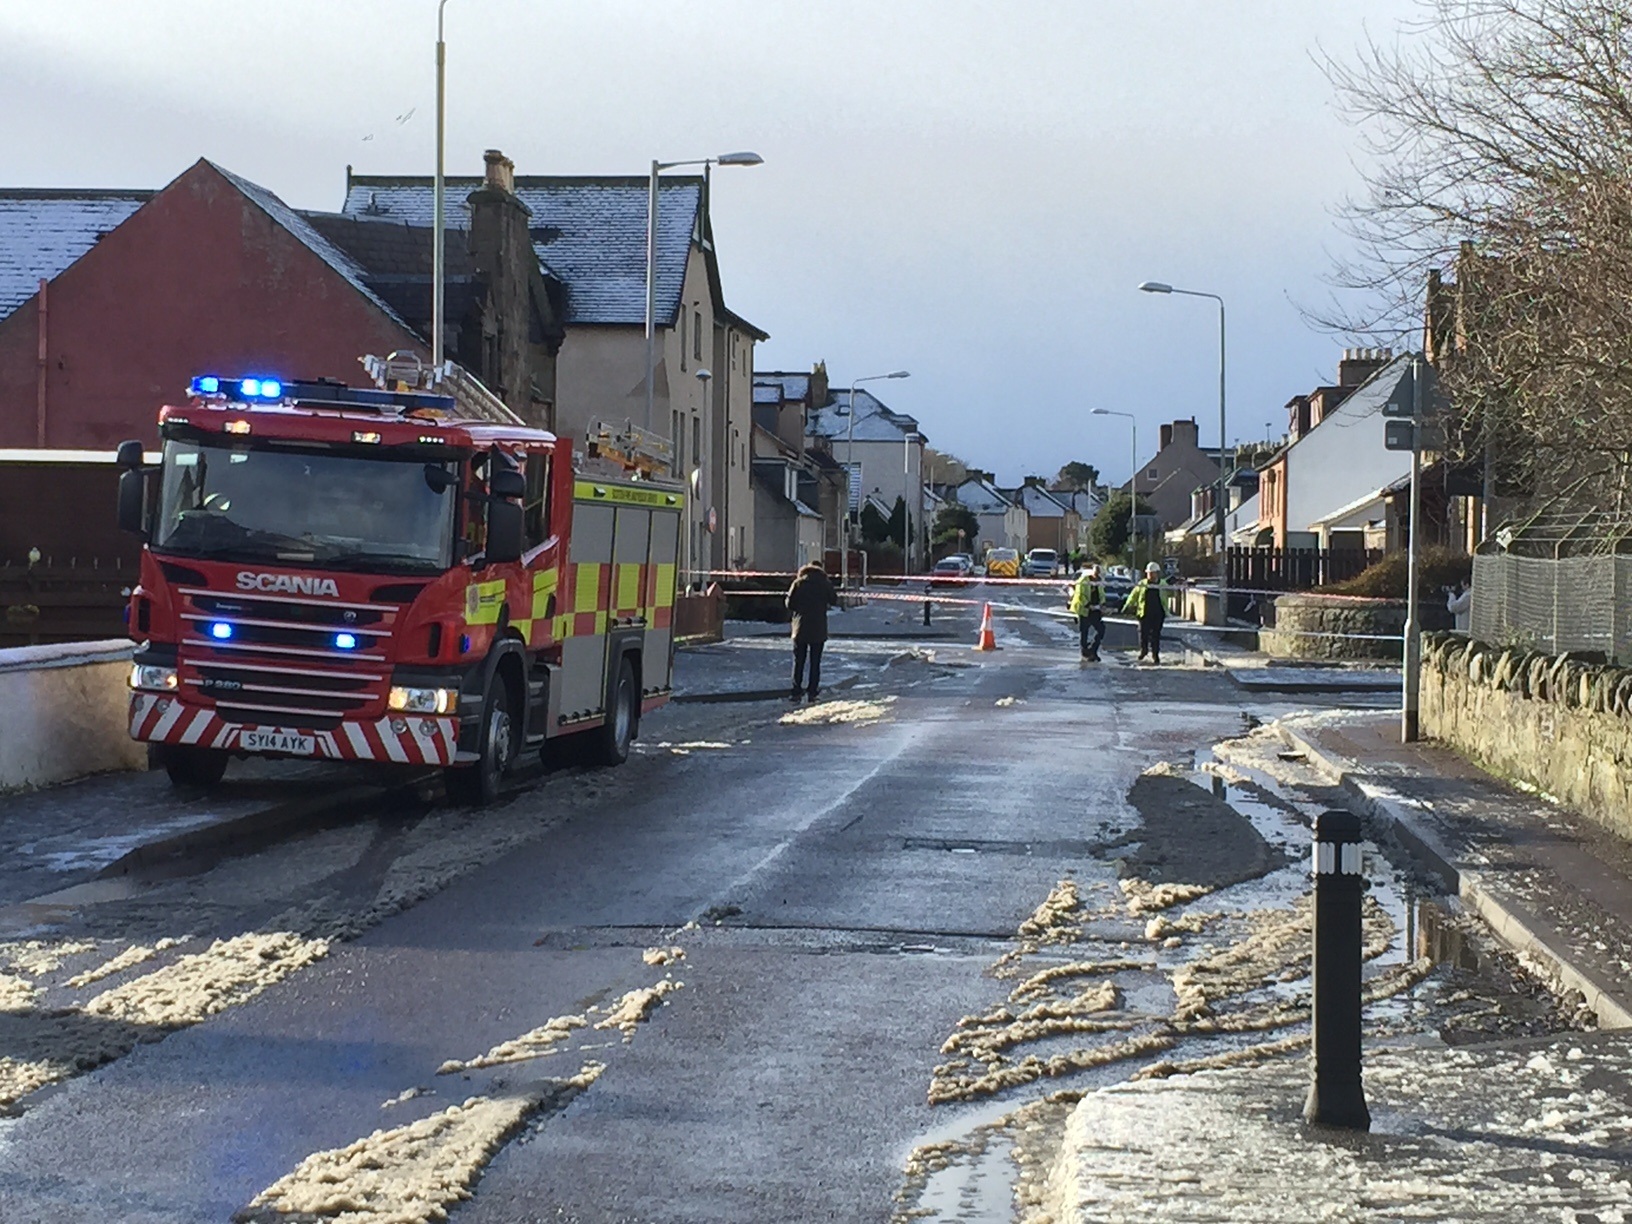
(1405, 400)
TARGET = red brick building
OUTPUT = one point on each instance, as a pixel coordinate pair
(213, 273)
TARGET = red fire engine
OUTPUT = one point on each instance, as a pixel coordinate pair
(359, 574)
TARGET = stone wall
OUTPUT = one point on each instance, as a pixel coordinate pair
(1555, 722)
(1301, 620)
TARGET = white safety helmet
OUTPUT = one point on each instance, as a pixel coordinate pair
(1153, 569)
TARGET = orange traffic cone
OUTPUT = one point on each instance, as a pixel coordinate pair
(987, 640)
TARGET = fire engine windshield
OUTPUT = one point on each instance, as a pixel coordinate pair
(319, 507)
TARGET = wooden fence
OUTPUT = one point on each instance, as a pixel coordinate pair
(1295, 569)
(56, 602)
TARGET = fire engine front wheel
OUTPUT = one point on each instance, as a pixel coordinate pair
(188, 766)
(480, 783)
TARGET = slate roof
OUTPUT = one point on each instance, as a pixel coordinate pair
(981, 496)
(784, 386)
(297, 225)
(589, 231)
(395, 263)
(1081, 500)
(1365, 400)
(42, 232)
(1039, 503)
(874, 422)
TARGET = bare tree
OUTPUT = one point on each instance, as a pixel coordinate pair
(1498, 143)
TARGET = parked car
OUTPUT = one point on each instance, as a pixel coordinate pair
(1040, 563)
(1002, 563)
(1119, 581)
(955, 566)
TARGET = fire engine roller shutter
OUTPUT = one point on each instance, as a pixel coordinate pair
(659, 597)
(629, 563)
(583, 649)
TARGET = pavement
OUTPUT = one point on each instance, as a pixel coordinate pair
(1551, 883)
(1555, 1143)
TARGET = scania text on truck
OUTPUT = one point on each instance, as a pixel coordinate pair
(358, 574)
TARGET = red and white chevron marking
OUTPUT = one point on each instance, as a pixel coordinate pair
(404, 740)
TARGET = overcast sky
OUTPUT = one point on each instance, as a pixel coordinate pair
(970, 191)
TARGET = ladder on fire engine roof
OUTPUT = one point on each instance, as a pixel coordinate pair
(630, 447)
(406, 372)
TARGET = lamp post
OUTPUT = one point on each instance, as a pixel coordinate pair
(849, 470)
(438, 199)
(1220, 508)
(915, 526)
(724, 159)
(1133, 496)
(704, 476)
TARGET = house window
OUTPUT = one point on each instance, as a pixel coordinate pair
(677, 442)
(697, 334)
(1151, 474)
(696, 440)
(682, 338)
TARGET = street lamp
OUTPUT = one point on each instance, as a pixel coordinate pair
(915, 528)
(850, 473)
(438, 194)
(724, 159)
(694, 528)
(1220, 507)
(1133, 497)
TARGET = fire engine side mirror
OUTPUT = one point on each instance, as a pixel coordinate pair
(130, 455)
(132, 501)
(507, 482)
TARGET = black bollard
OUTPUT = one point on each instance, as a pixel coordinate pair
(927, 589)
(1336, 1097)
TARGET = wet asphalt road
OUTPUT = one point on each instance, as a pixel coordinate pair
(850, 884)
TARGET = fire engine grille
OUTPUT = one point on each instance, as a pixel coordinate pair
(288, 662)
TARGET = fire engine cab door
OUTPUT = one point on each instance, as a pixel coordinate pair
(583, 643)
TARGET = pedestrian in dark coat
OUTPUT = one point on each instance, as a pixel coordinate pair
(808, 599)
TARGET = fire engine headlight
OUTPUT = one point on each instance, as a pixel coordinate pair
(424, 700)
(147, 676)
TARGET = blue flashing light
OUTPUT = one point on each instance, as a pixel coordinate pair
(250, 388)
(345, 641)
(271, 388)
(206, 384)
(221, 631)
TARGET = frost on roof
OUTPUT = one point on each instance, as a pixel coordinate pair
(43, 232)
(874, 422)
(591, 232)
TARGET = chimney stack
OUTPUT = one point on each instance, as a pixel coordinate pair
(501, 172)
(502, 259)
(1359, 364)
